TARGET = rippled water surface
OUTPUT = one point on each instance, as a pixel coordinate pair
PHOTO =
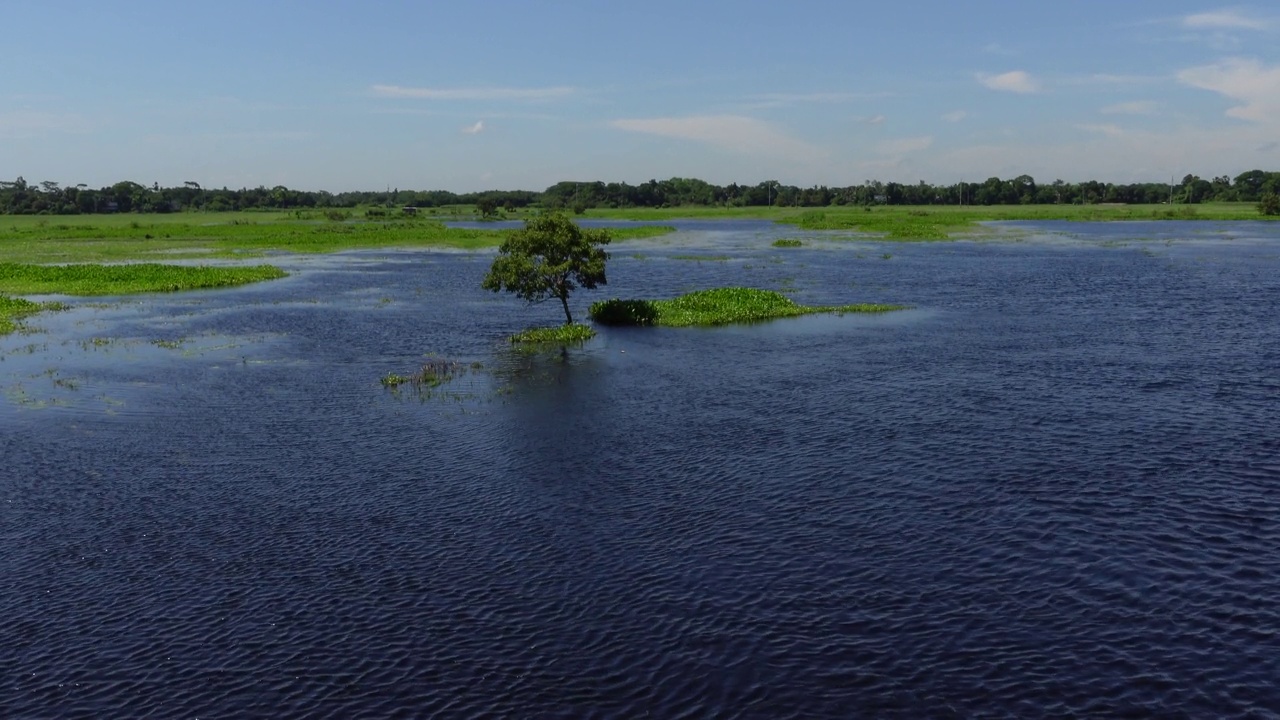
(1050, 488)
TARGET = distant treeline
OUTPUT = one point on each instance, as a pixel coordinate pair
(51, 198)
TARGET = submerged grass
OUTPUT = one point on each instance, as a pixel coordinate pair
(702, 258)
(433, 374)
(123, 279)
(13, 309)
(562, 334)
(787, 243)
(719, 306)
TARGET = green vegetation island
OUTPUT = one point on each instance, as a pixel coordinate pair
(551, 257)
(717, 306)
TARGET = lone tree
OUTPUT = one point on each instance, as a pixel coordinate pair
(550, 258)
(1269, 204)
(487, 206)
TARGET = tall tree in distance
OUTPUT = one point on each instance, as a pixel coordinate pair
(549, 258)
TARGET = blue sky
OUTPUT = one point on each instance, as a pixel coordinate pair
(519, 95)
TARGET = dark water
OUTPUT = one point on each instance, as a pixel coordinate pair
(1050, 489)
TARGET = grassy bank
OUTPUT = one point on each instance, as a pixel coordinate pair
(115, 238)
(125, 279)
(719, 306)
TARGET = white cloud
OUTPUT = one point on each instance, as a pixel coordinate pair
(1137, 107)
(734, 133)
(902, 146)
(1224, 20)
(1106, 129)
(476, 93)
(1016, 81)
(875, 120)
(1249, 82)
(474, 129)
(955, 116)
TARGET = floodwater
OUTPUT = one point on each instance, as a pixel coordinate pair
(1050, 488)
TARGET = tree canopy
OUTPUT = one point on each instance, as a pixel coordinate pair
(549, 258)
(51, 198)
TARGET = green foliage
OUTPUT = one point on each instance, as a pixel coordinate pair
(122, 279)
(574, 333)
(787, 243)
(1269, 204)
(719, 306)
(550, 258)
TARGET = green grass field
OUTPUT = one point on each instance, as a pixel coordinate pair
(120, 238)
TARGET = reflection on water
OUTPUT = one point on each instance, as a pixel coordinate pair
(1049, 488)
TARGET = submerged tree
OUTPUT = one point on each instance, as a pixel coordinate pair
(550, 258)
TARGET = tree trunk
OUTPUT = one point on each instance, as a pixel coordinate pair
(564, 300)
